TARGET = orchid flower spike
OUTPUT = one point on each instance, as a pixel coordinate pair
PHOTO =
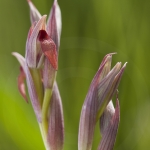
(39, 68)
(98, 104)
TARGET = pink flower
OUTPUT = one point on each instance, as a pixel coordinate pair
(39, 67)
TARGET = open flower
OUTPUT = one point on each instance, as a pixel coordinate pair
(39, 67)
(98, 102)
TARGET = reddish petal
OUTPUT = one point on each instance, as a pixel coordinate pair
(48, 48)
(21, 85)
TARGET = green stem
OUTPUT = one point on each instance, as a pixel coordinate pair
(36, 76)
(44, 124)
(44, 137)
(45, 107)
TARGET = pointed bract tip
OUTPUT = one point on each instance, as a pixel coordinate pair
(123, 67)
(28, 1)
(44, 18)
(109, 57)
(114, 53)
(125, 64)
(105, 59)
(118, 65)
(110, 54)
(55, 2)
(20, 58)
(14, 53)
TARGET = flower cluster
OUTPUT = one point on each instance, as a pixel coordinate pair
(39, 68)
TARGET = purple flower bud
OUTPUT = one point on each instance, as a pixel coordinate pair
(101, 90)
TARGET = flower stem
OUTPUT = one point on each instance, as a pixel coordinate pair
(44, 124)
(44, 136)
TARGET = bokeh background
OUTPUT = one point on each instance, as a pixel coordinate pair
(91, 29)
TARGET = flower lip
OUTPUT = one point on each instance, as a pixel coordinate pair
(49, 48)
(42, 35)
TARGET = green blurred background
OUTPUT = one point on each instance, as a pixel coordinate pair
(91, 29)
